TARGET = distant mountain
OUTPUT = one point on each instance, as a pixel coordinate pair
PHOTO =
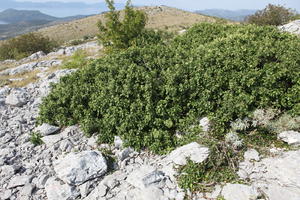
(58, 9)
(15, 22)
(16, 16)
(234, 15)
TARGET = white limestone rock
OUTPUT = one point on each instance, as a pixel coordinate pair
(194, 151)
(290, 137)
(17, 181)
(56, 190)
(205, 124)
(118, 142)
(278, 192)
(125, 153)
(50, 140)
(77, 168)
(46, 129)
(251, 155)
(37, 55)
(292, 27)
(26, 191)
(136, 176)
(17, 97)
(239, 192)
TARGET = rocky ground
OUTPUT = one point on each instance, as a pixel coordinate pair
(69, 165)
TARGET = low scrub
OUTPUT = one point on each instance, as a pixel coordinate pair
(25, 45)
(272, 15)
(148, 94)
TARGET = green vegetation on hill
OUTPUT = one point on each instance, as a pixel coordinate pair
(148, 93)
(119, 34)
(272, 15)
(25, 45)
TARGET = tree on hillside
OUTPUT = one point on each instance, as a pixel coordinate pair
(120, 34)
(271, 15)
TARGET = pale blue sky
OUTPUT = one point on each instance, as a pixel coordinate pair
(201, 4)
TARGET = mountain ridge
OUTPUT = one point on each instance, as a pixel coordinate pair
(15, 22)
(58, 9)
(234, 15)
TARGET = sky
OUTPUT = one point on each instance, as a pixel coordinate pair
(201, 4)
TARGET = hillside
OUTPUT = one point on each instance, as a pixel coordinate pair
(15, 22)
(159, 17)
(57, 8)
(17, 16)
(234, 15)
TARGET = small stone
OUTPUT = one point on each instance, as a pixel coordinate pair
(85, 189)
(290, 137)
(152, 193)
(51, 140)
(125, 153)
(55, 190)
(27, 190)
(98, 193)
(153, 178)
(118, 142)
(19, 181)
(42, 179)
(47, 129)
(251, 154)
(92, 141)
(180, 196)
(7, 194)
(205, 124)
(194, 151)
(239, 192)
(111, 180)
(66, 145)
(145, 176)
(16, 98)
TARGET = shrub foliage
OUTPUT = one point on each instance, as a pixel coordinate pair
(272, 15)
(25, 45)
(148, 94)
(119, 34)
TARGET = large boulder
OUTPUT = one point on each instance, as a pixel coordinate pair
(77, 168)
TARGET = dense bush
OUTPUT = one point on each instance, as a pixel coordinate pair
(25, 45)
(148, 94)
(117, 34)
(272, 15)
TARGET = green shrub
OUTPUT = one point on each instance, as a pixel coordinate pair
(36, 139)
(147, 94)
(272, 15)
(117, 34)
(76, 42)
(220, 167)
(25, 45)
